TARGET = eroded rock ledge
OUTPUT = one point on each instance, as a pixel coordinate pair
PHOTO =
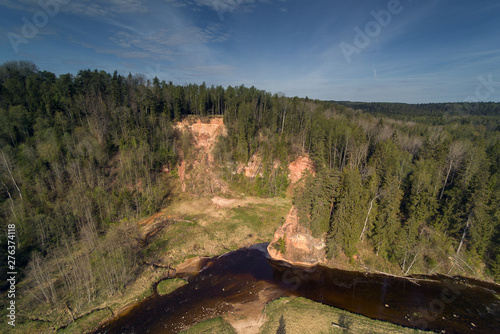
(295, 244)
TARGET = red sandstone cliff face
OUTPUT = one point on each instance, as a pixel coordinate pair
(301, 248)
(298, 167)
(201, 179)
(205, 134)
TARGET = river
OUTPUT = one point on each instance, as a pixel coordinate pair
(438, 303)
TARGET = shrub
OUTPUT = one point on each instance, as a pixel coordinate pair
(280, 245)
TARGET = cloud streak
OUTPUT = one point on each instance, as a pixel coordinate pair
(224, 5)
(103, 8)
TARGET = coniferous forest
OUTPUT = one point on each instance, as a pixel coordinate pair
(81, 155)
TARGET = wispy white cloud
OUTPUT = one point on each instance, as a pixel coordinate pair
(229, 6)
(90, 8)
(19, 5)
(106, 7)
(221, 70)
(224, 5)
(155, 46)
(165, 43)
(183, 52)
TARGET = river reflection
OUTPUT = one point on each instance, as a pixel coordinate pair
(450, 305)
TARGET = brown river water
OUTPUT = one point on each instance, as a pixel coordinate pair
(439, 303)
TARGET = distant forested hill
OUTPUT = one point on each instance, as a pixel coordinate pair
(437, 113)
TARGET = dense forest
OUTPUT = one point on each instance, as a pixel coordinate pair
(83, 155)
(483, 113)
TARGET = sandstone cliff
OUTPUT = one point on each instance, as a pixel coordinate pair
(294, 243)
(201, 178)
(298, 167)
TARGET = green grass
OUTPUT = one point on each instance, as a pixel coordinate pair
(145, 293)
(212, 326)
(27, 327)
(169, 285)
(303, 316)
(200, 231)
(86, 324)
(83, 325)
(157, 245)
(249, 215)
(256, 216)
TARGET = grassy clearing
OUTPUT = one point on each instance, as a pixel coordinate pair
(303, 316)
(169, 285)
(27, 327)
(204, 229)
(86, 324)
(263, 217)
(82, 325)
(212, 326)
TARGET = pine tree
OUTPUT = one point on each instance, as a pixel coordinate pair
(347, 219)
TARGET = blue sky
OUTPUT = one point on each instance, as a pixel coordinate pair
(391, 50)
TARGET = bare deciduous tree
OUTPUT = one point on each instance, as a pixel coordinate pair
(6, 165)
(453, 160)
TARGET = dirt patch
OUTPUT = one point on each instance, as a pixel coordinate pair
(182, 174)
(223, 202)
(151, 219)
(190, 266)
(249, 316)
(199, 206)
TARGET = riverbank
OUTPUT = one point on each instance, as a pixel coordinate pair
(187, 228)
(302, 316)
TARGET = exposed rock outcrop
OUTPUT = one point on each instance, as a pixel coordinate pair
(294, 243)
(197, 175)
(205, 133)
(252, 168)
(298, 167)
